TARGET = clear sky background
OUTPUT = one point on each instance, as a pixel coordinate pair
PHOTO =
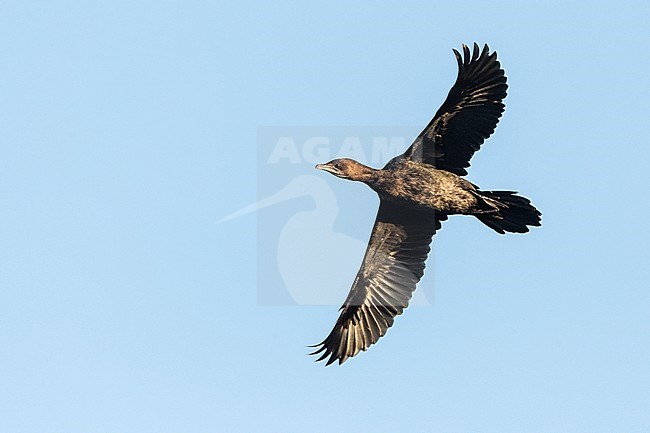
(127, 129)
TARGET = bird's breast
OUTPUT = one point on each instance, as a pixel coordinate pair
(425, 188)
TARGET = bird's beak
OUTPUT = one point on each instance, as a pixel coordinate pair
(327, 168)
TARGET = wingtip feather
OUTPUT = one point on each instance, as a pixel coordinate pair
(476, 52)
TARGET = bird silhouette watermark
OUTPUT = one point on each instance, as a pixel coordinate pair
(303, 258)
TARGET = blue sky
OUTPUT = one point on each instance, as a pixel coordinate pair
(128, 129)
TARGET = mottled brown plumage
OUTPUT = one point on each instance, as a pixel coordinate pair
(419, 190)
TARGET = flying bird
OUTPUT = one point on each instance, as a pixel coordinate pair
(418, 190)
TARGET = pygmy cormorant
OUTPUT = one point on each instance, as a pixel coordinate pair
(418, 190)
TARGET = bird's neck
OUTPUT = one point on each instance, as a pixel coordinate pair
(362, 173)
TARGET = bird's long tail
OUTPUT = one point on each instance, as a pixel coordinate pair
(512, 213)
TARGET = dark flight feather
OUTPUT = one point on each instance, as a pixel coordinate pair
(392, 266)
(468, 116)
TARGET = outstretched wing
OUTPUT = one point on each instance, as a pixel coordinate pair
(392, 266)
(468, 116)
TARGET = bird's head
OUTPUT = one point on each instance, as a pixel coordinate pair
(346, 168)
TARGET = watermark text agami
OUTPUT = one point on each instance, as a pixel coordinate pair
(374, 150)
